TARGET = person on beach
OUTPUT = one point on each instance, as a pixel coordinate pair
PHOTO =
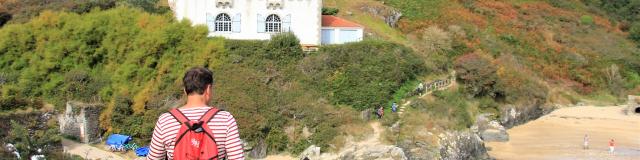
(611, 146)
(586, 142)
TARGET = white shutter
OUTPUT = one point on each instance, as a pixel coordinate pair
(235, 23)
(261, 24)
(286, 23)
(211, 22)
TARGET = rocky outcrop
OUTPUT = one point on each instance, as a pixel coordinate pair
(312, 152)
(419, 150)
(356, 152)
(373, 152)
(490, 130)
(390, 15)
(80, 120)
(259, 150)
(513, 116)
(461, 145)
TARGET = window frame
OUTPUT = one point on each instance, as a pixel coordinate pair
(222, 23)
(273, 24)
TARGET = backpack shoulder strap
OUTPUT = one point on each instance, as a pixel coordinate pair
(205, 121)
(178, 115)
(209, 114)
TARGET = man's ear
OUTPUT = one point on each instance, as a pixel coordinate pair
(210, 89)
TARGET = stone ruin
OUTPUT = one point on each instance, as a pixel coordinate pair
(633, 105)
(80, 120)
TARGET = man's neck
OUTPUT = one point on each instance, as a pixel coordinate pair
(195, 101)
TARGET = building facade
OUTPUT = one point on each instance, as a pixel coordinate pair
(254, 19)
(336, 30)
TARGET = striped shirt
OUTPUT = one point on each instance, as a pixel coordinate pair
(223, 126)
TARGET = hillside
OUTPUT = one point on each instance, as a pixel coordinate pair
(507, 55)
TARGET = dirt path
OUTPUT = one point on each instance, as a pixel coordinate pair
(375, 138)
(88, 151)
(559, 135)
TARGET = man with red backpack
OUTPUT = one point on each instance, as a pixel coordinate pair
(195, 130)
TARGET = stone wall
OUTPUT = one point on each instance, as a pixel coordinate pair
(80, 120)
(632, 104)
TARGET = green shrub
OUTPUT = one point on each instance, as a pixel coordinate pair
(586, 20)
(284, 48)
(276, 141)
(452, 106)
(364, 74)
(300, 146)
(28, 137)
(330, 11)
(632, 78)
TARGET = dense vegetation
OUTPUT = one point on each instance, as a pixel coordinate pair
(132, 61)
(504, 52)
(20, 11)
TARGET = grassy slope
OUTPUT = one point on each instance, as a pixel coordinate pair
(541, 34)
(529, 42)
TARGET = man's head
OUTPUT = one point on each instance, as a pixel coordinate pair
(198, 81)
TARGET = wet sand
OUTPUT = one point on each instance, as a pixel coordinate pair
(559, 135)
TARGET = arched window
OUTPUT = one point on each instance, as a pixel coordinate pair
(273, 23)
(223, 23)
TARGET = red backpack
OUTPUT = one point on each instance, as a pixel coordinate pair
(195, 140)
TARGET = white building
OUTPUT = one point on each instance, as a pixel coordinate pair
(254, 19)
(336, 30)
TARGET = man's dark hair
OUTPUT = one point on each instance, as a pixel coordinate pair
(196, 80)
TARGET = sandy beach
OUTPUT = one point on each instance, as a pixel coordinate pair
(559, 135)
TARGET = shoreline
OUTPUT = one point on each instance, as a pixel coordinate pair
(559, 135)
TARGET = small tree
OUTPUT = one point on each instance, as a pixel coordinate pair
(477, 74)
(284, 48)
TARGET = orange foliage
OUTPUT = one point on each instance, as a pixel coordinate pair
(542, 8)
(466, 15)
(606, 24)
(506, 12)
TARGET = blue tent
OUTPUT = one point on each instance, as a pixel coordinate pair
(118, 140)
(142, 151)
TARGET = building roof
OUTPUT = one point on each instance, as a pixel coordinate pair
(333, 21)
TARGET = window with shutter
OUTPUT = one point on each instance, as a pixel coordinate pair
(235, 24)
(273, 24)
(261, 24)
(211, 22)
(286, 23)
(223, 23)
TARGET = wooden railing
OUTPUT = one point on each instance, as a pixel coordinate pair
(425, 88)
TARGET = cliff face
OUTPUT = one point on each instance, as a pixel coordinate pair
(513, 115)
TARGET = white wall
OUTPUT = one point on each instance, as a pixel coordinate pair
(305, 17)
(337, 38)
